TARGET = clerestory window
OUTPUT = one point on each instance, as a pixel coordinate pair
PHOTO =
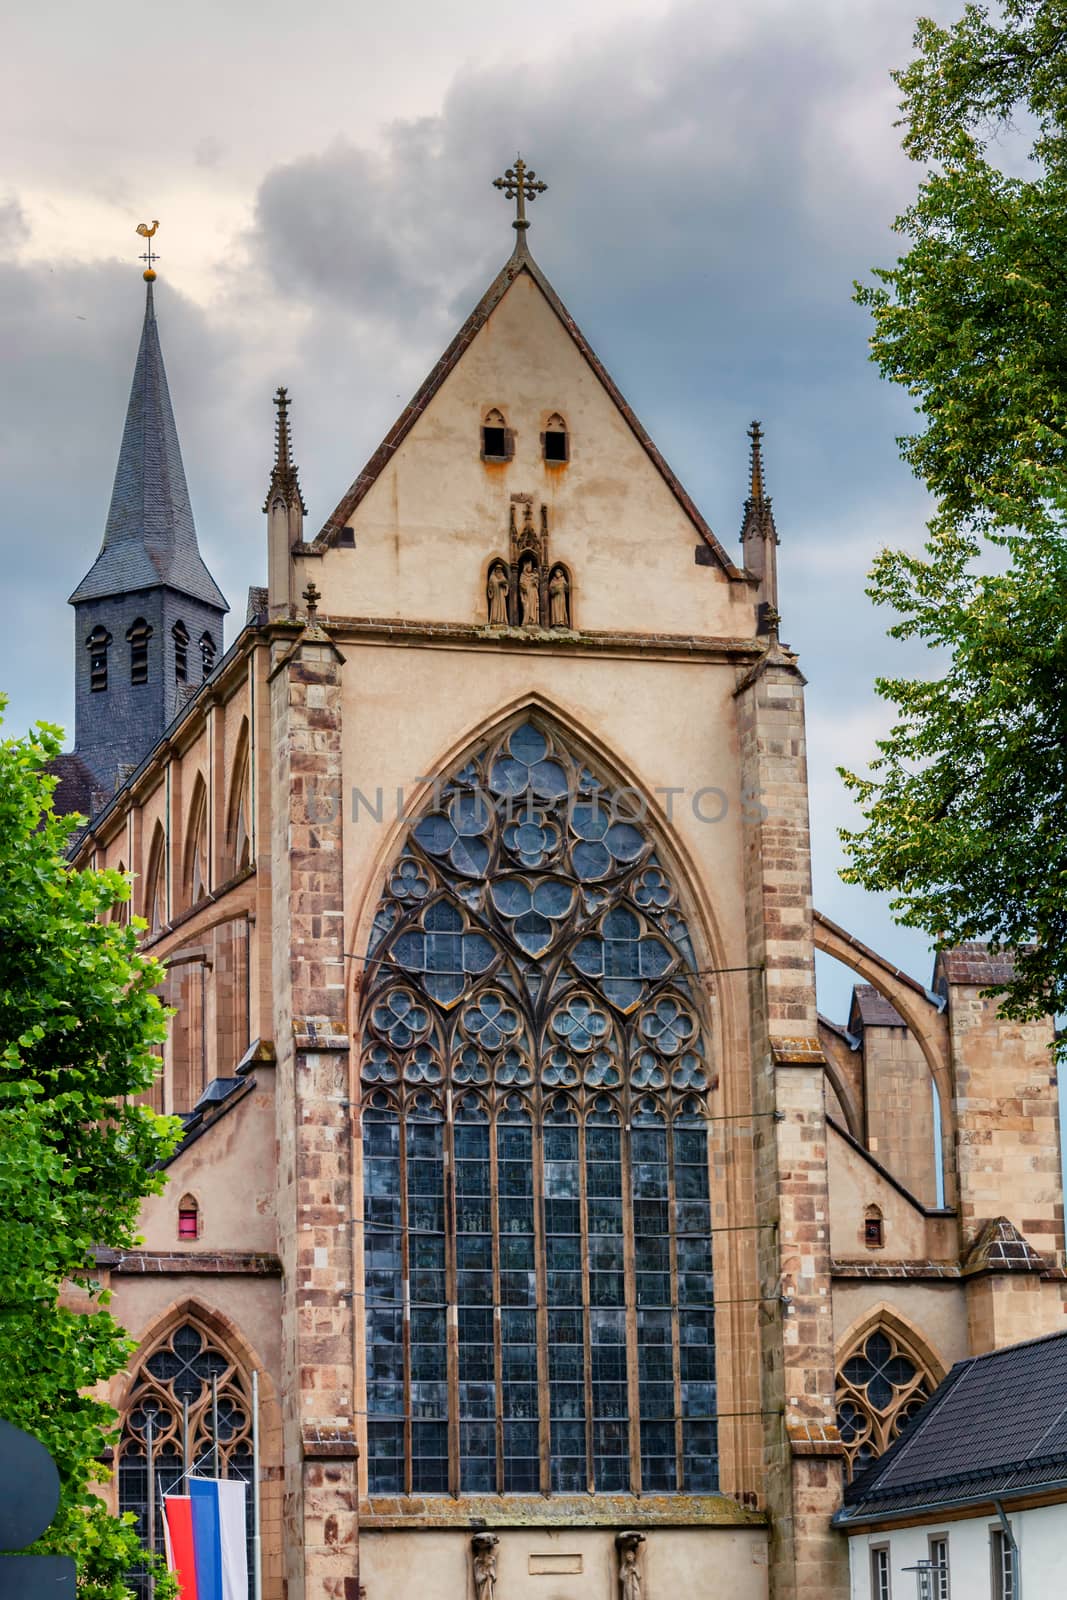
(535, 1148)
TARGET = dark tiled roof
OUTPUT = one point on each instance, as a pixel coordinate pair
(521, 261)
(996, 1426)
(258, 601)
(977, 965)
(873, 1010)
(150, 537)
(74, 791)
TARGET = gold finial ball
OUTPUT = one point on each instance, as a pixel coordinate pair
(149, 276)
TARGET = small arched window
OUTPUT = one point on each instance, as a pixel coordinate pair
(498, 441)
(137, 637)
(180, 635)
(873, 1228)
(207, 652)
(98, 644)
(188, 1217)
(554, 440)
(155, 898)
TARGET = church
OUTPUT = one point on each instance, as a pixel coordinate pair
(572, 1253)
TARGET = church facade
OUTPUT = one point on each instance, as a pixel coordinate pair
(576, 1253)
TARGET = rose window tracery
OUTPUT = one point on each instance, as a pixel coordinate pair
(530, 1030)
(881, 1386)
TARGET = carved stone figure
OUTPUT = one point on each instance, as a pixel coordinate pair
(483, 1561)
(559, 600)
(628, 1546)
(530, 595)
(498, 597)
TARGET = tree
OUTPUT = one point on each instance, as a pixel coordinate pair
(965, 806)
(78, 1021)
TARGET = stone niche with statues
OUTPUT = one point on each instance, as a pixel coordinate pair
(528, 590)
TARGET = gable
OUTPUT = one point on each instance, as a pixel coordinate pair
(428, 514)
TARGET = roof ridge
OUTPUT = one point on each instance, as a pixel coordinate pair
(518, 262)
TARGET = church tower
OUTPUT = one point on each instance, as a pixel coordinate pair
(148, 614)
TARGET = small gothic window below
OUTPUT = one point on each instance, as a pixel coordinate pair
(180, 635)
(881, 1386)
(98, 643)
(873, 1229)
(554, 439)
(137, 638)
(207, 652)
(497, 439)
(188, 1218)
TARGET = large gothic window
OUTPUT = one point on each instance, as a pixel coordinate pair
(535, 1148)
(199, 1404)
(881, 1385)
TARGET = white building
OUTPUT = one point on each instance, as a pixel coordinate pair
(972, 1501)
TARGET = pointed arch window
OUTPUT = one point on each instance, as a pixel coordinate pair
(183, 1383)
(238, 836)
(180, 635)
(138, 636)
(532, 1025)
(207, 653)
(155, 894)
(98, 643)
(554, 441)
(196, 864)
(498, 441)
(882, 1383)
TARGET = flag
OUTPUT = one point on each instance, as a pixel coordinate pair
(206, 1539)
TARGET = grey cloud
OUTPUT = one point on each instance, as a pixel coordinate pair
(14, 228)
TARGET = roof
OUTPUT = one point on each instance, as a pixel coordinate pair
(996, 1427)
(873, 1009)
(976, 964)
(76, 786)
(149, 536)
(1000, 1247)
(521, 261)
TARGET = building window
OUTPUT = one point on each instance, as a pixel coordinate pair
(180, 634)
(207, 653)
(881, 1386)
(873, 1229)
(188, 1218)
(137, 638)
(939, 1589)
(182, 1384)
(554, 440)
(531, 1031)
(880, 1580)
(1005, 1565)
(97, 644)
(498, 442)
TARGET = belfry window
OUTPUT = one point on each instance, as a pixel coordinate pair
(180, 635)
(98, 644)
(207, 653)
(535, 1148)
(554, 439)
(497, 438)
(137, 637)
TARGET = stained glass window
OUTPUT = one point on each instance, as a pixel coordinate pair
(881, 1386)
(535, 1147)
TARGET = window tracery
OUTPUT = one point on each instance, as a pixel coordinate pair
(531, 1023)
(881, 1386)
(183, 1384)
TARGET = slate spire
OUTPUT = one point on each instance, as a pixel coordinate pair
(149, 536)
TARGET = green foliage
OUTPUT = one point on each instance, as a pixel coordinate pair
(78, 1021)
(964, 806)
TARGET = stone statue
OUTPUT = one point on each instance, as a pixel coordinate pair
(530, 595)
(483, 1561)
(498, 597)
(628, 1546)
(559, 598)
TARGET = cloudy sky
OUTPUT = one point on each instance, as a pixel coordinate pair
(720, 174)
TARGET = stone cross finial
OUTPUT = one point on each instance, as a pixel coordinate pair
(312, 597)
(520, 184)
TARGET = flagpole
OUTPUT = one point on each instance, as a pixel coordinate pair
(257, 1573)
(186, 1459)
(215, 1420)
(151, 1455)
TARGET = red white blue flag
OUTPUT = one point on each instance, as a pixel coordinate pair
(205, 1539)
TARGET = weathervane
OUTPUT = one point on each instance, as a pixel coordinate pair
(149, 256)
(520, 184)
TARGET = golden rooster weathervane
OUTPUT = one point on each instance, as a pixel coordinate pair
(147, 232)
